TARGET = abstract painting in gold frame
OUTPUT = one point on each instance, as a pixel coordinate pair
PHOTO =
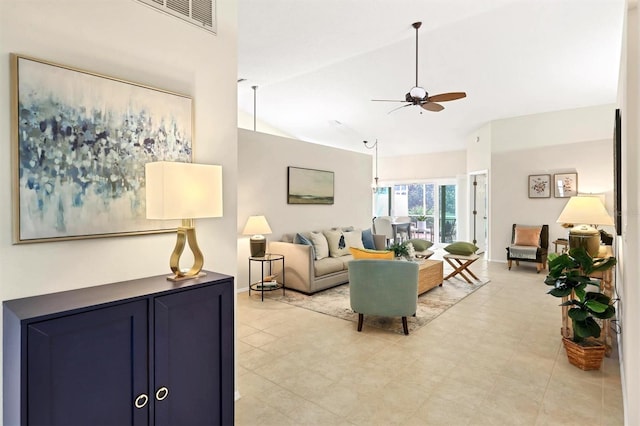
(80, 141)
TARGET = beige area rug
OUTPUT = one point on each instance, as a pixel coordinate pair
(335, 302)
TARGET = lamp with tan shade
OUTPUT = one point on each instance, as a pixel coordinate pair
(185, 191)
(257, 227)
(585, 213)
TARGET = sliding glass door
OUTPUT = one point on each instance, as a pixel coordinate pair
(447, 213)
(434, 202)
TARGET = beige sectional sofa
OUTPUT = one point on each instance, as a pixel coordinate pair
(305, 273)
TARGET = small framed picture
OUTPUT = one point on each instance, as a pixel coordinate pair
(565, 185)
(539, 186)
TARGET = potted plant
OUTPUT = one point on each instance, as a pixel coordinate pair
(569, 275)
(400, 249)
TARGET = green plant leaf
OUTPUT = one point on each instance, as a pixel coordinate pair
(578, 314)
(603, 264)
(580, 293)
(595, 306)
(560, 291)
(584, 260)
(587, 328)
(608, 313)
(551, 280)
(598, 297)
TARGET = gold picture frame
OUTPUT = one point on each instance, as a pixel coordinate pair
(80, 141)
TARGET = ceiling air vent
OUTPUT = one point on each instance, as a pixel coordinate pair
(196, 12)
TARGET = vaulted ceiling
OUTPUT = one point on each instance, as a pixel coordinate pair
(319, 63)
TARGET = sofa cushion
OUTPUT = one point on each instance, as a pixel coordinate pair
(367, 239)
(354, 238)
(345, 261)
(304, 240)
(371, 254)
(462, 248)
(288, 238)
(420, 245)
(337, 242)
(327, 265)
(319, 245)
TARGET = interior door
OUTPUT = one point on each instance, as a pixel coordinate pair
(479, 211)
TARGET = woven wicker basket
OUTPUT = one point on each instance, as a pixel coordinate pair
(584, 357)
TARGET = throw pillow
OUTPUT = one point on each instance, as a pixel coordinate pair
(371, 254)
(462, 248)
(527, 236)
(367, 239)
(337, 243)
(319, 245)
(301, 239)
(420, 245)
(354, 238)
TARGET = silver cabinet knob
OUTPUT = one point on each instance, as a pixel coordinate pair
(162, 393)
(141, 400)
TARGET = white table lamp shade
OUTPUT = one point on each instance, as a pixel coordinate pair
(256, 225)
(585, 210)
(183, 190)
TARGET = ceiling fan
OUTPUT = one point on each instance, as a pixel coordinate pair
(419, 96)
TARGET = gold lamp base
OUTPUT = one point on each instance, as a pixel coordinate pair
(586, 237)
(186, 234)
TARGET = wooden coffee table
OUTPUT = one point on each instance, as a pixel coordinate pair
(429, 275)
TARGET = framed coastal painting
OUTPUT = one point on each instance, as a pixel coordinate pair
(309, 186)
(80, 141)
(565, 185)
(539, 186)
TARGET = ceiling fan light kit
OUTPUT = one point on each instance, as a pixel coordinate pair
(419, 96)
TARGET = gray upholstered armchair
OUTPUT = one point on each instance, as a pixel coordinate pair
(383, 288)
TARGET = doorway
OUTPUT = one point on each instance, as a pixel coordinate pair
(479, 211)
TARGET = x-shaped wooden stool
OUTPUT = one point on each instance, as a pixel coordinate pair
(463, 263)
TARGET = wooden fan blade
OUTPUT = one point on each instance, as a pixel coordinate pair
(403, 106)
(385, 100)
(431, 106)
(444, 97)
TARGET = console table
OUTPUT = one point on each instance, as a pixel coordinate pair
(139, 352)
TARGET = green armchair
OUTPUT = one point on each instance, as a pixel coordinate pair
(383, 288)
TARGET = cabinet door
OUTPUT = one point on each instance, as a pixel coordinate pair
(87, 368)
(194, 357)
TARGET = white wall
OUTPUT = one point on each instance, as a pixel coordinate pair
(412, 168)
(628, 272)
(552, 128)
(262, 188)
(128, 40)
(245, 121)
(479, 149)
(593, 161)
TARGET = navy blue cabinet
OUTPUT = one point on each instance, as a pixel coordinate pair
(140, 352)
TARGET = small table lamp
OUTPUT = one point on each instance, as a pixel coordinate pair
(185, 191)
(257, 226)
(585, 212)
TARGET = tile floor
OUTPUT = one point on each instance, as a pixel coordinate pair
(495, 358)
